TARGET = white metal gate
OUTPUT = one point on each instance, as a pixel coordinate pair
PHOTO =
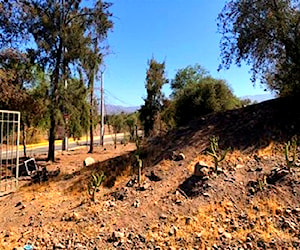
(9, 150)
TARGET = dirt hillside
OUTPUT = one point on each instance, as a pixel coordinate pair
(252, 201)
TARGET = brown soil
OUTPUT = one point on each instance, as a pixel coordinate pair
(172, 209)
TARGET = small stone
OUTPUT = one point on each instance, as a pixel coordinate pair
(88, 161)
(136, 204)
(109, 203)
(117, 235)
(201, 169)
(205, 178)
(163, 216)
(59, 246)
(179, 157)
(296, 210)
(18, 204)
(220, 171)
(178, 202)
(173, 231)
(278, 211)
(188, 220)
(239, 166)
(288, 211)
(227, 235)
(206, 195)
(249, 245)
(142, 238)
(145, 187)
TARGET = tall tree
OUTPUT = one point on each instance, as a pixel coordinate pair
(91, 63)
(265, 34)
(62, 32)
(155, 79)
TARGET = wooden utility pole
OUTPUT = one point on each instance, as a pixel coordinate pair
(102, 111)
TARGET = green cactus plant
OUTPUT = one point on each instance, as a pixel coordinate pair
(94, 184)
(140, 166)
(214, 151)
(291, 146)
(262, 182)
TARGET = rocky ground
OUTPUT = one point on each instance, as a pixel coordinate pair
(251, 202)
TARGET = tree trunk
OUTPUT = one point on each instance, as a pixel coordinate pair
(91, 85)
(51, 150)
(54, 105)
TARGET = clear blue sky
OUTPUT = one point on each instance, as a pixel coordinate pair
(178, 31)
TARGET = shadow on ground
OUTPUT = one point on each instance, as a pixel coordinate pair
(245, 129)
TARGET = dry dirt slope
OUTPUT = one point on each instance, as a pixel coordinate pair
(234, 210)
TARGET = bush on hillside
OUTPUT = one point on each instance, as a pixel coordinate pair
(201, 98)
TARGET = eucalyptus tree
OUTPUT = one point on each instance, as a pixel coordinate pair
(59, 33)
(90, 64)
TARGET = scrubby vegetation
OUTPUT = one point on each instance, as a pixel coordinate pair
(178, 186)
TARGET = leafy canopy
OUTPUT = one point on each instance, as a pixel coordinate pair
(266, 35)
(59, 34)
(186, 76)
(203, 97)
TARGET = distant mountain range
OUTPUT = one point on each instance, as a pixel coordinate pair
(117, 109)
(258, 98)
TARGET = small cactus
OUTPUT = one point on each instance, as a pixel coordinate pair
(140, 165)
(213, 151)
(262, 182)
(291, 145)
(94, 184)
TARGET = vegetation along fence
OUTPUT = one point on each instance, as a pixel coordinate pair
(9, 150)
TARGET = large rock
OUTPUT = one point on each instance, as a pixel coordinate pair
(276, 175)
(88, 161)
(201, 169)
(176, 157)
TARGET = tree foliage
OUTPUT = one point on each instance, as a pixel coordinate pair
(155, 79)
(131, 121)
(60, 32)
(265, 34)
(15, 72)
(186, 76)
(75, 105)
(203, 97)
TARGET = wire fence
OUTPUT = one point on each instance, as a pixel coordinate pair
(9, 150)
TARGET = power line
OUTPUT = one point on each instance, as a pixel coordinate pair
(116, 98)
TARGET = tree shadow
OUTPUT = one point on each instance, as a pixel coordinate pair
(113, 168)
(246, 129)
(193, 186)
